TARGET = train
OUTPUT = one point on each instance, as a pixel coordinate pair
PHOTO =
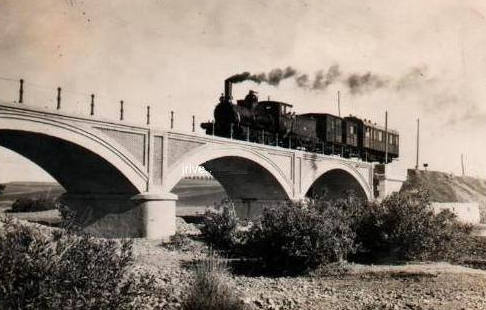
(273, 123)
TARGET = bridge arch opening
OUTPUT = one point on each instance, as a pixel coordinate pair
(77, 169)
(336, 184)
(248, 183)
(242, 178)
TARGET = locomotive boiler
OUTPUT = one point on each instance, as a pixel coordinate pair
(273, 122)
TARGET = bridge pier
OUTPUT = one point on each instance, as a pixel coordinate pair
(147, 215)
(158, 214)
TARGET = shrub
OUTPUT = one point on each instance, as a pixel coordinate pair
(59, 270)
(210, 290)
(404, 226)
(179, 242)
(295, 237)
(33, 205)
(220, 229)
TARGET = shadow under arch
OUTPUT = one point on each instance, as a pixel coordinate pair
(78, 169)
(337, 184)
(244, 179)
(248, 185)
(244, 174)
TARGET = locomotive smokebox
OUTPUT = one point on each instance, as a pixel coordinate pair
(228, 92)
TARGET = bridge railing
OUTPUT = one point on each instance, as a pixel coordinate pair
(64, 100)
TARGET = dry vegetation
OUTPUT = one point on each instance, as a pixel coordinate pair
(311, 252)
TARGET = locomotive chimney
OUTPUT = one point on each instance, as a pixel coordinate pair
(228, 93)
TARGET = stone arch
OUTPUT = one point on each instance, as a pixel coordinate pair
(80, 160)
(339, 179)
(244, 173)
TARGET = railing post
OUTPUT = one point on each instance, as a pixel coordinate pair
(148, 115)
(231, 131)
(212, 123)
(263, 136)
(58, 98)
(193, 123)
(276, 139)
(171, 119)
(21, 91)
(248, 133)
(92, 105)
(121, 110)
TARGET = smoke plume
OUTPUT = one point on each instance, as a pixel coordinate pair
(356, 83)
(415, 76)
(360, 83)
(274, 77)
(302, 81)
(322, 81)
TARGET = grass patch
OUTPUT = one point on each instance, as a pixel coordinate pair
(211, 289)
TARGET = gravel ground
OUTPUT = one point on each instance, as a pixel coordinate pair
(421, 286)
(414, 286)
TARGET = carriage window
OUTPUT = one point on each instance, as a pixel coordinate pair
(367, 133)
(380, 136)
(351, 130)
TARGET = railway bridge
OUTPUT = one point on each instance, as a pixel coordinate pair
(118, 177)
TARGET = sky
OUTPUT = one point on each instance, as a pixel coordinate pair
(414, 59)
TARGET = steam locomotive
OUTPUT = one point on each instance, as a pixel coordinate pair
(273, 123)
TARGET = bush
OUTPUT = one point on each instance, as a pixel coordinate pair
(296, 237)
(59, 270)
(210, 290)
(179, 242)
(220, 230)
(33, 205)
(404, 227)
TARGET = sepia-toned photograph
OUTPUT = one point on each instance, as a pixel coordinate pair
(243, 154)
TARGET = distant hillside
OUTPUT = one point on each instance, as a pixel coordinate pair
(198, 192)
(190, 192)
(15, 190)
(444, 187)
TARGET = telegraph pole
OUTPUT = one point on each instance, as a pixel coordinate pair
(418, 144)
(386, 137)
(339, 103)
(462, 164)
(21, 91)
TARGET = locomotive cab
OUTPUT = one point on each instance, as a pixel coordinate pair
(278, 112)
(276, 108)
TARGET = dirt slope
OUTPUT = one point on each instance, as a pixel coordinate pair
(445, 187)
